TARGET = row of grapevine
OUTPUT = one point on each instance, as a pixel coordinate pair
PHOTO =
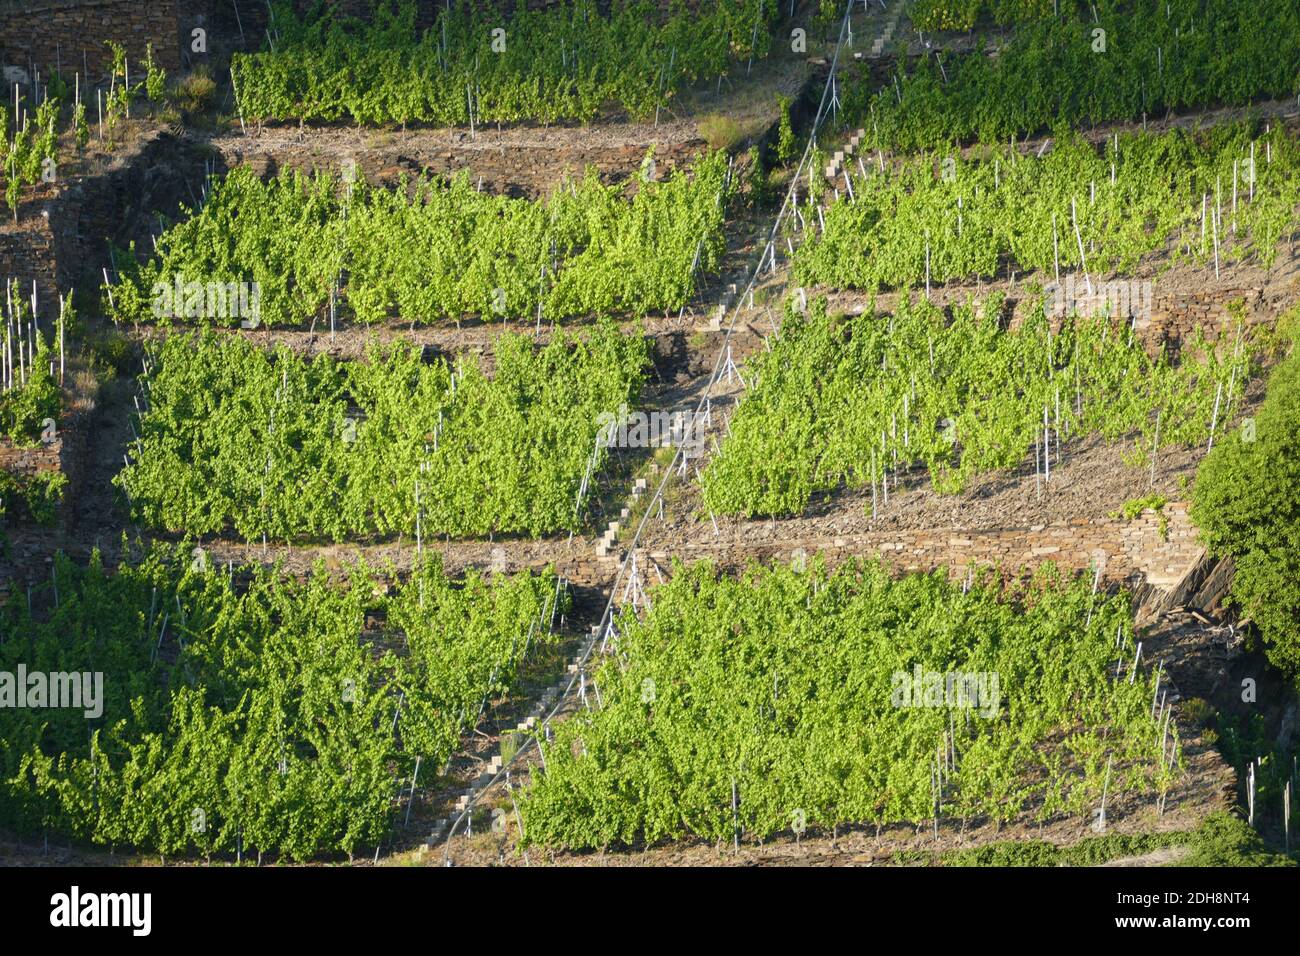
(929, 15)
(565, 61)
(35, 496)
(247, 711)
(271, 445)
(25, 154)
(788, 698)
(1132, 59)
(33, 397)
(1215, 196)
(1246, 503)
(31, 404)
(441, 250)
(855, 400)
(29, 143)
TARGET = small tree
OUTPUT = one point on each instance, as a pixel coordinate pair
(81, 126)
(155, 81)
(785, 133)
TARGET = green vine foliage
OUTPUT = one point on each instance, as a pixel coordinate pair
(440, 250)
(35, 396)
(839, 399)
(781, 689)
(266, 443)
(24, 153)
(1169, 55)
(38, 495)
(1004, 211)
(1246, 503)
(931, 15)
(25, 407)
(564, 62)
(248, 710)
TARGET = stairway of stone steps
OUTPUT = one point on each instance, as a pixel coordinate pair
(542, 707)
(877, 51)
(841, 155)
(724, 305)
(878, 44)
(607, 547)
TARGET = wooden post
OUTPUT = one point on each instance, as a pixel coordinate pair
(1252, 171)
(61, 310)
(1047, 449)
(1286, 816)
(1155, 449)
(1056, 251)
(735, 819)
(1105, 790)
(1074, 215)
(1214, 421)
(927, 264)
(1214, 226)
(239, 106)
(1038, 467)
(411, 799)
(1250, 794)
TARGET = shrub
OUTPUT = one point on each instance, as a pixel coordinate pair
(195, 92)
(720, 132)
(785, 133)
(1197, 710)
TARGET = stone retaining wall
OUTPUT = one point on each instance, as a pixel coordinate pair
(65, 454)
(1127, 551)
(27, 254)
(70, 35)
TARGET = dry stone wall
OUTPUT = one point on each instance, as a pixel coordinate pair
(66, 455)
(1126, 551)
(69, 35)
(27, 255)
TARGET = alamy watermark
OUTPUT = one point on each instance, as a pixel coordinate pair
(975, 690)
(39, 690)
(219, 301)
(664, 429)
(132, 911)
